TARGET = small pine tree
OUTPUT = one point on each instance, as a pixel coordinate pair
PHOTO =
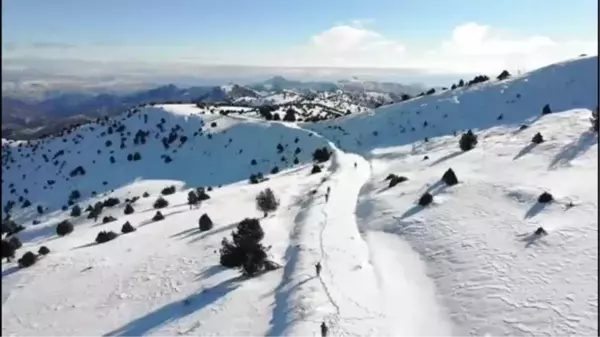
(127, 228)
(76, 211)
(266, 201)
(205, 223)
(160, 203)
(158, 216)
(467, 141)
(192, 198)
(245, 250)
(128, 209)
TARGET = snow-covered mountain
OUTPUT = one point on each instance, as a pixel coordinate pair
(467, 263)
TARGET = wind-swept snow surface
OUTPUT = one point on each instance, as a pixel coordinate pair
(493, 274)
(466, 264)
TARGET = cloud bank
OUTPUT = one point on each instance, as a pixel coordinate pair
(470, 48)
(345, 49)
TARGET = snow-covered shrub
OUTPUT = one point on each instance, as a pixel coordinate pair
(467, 141)
(395, 180)
(128, 209)
(168, 190)
(425, 199)
(127, 228)
(105, 236)
(15, 242)
(201, 194)
(8, 250)
(108, 219)
(160, 203)
(76, 211)
(111, 202)
(321, 155)
(43, 250)
(192, 198)
(27, 260)
(158, 216)
(545, 198)
(205, 223)
(449, 178)
(315, 169)
(64, 227)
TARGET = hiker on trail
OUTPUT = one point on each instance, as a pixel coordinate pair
(318, 268)
(327, 194)
(324, 329)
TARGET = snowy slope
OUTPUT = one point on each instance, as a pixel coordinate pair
(491, 274)
(465, 265)
(212, 155)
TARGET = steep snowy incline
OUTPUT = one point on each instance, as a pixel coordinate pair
(491, 272)
(162, 279)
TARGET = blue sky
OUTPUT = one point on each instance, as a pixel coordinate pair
(431, 36)
(277, 23)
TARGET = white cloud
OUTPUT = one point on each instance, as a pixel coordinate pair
(470, 48)
(349, 45)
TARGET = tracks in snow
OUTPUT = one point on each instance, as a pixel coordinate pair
(341, 165)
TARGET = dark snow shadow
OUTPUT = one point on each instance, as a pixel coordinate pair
(184, 233)
(212, 232)
(149, 221)
(9, 271)
(46, 234)
(435, 188)
(280, 320)
(211, 271)
(84, 246)
(446, 157)
(574, 149)
(412, 211)
(525, 150)
(175, 311)
(530, 239)
(535, 209)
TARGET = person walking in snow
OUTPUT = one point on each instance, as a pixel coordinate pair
(354, 165)
(327, 194)
(324, 329)
(318, 268)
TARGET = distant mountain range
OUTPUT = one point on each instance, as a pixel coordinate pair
(27, 118)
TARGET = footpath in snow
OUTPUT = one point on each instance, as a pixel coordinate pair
(353, 296)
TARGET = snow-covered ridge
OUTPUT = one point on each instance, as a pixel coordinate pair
(199, 144)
